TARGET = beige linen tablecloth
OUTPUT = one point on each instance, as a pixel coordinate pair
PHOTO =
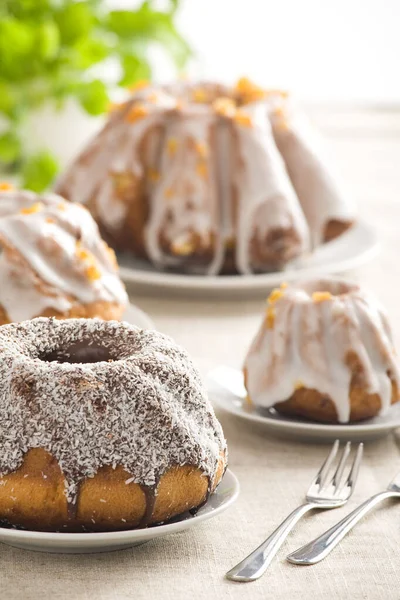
(274, 473)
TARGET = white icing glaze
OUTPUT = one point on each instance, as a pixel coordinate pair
(46, 242)
(263, 185)
(192, 208)
(309, 344)
(243, 195)
(318, 189)
(115, 150)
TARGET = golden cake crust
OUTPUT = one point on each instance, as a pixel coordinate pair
(33, 496)
(311, 404)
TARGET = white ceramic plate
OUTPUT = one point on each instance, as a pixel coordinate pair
(83, 543)
(135, 316)
(349, 251)
(227, 391)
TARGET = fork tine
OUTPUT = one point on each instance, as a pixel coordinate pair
(323, 472)
(340, 468)
(352, 478)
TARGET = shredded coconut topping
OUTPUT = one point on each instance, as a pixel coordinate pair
(140, 405)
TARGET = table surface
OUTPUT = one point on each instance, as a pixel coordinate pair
(274, 473)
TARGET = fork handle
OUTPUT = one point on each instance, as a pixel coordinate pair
(318, 549)
(255, 565)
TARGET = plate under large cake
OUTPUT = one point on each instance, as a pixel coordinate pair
(352, 249)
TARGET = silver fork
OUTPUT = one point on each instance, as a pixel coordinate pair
(322, 494)
(319, 548)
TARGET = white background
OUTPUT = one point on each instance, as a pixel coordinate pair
(324, 50)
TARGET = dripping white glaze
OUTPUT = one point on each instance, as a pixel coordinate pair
(317, 187)
(310, 341)
(251, 187)
(46, 242)
(184, 202)
(261, 181)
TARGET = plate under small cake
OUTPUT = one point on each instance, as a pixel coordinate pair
(227, 392)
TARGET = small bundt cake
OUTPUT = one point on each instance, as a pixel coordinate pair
(53, 261)
(202, 178)
(103, 426)
(324, 352)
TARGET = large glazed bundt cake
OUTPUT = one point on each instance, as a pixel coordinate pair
(324, 352)
(103, 426)
(207, 178)
(53, 261)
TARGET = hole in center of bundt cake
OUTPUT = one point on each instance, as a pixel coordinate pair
(80, 352)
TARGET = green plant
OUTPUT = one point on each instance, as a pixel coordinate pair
(54, 49)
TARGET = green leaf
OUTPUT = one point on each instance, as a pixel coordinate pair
(10, 147)
(134, 69)
(47, 40)
(91, 51)
(47, 47)
(153, 26)
(16, 37)
(8, 98)
(124, 22)
(21, 8)
(94, 97)
(39, 171)
(74, 21)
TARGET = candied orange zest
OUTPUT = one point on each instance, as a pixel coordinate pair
(200, 95)
(137, 112)
(50, 220)
(172, 146)
(201, 148)
(283, 285)
(92, 273)
(36, 207)
(5, 186)
(243, 119)
(321, 296)
(61, 206)
(270, 318)
(81, 253)
(274, 296)
(225, 107)
(249, 90)
(153, 174)
(298, 384)
(169, 193)
(201, 169)
(139, 85)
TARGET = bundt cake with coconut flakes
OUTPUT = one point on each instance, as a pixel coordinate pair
(210, 179)
(103, 426)
(324, 351)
